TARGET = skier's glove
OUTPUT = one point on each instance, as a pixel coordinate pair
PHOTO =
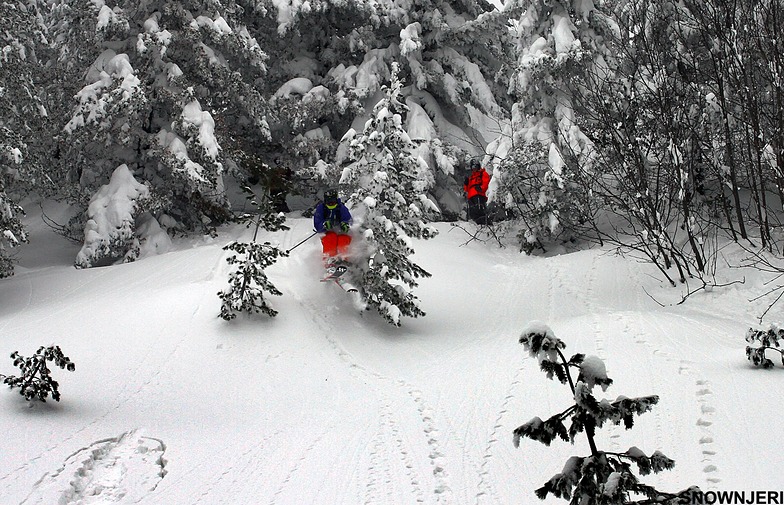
(327, 225)
(344, 227)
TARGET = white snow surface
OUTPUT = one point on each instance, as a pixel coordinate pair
(169, 404)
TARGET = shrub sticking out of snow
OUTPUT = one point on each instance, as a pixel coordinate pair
(35, 381)
(770, 340)
(600, 474)
(248, 281)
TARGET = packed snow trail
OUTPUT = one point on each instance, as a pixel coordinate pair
(328, 405)
(122, 469)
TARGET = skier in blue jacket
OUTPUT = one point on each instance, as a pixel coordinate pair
(333, 219)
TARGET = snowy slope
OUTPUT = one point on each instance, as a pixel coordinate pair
(323, 405)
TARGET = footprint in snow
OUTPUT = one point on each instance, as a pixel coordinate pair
(126, 468)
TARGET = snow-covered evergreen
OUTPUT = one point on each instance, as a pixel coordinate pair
(389, 185)
(21, 117)
(542, 152)
(114, 230)
(168, 83)
(248, 281)
(12, 232)
(333, 58)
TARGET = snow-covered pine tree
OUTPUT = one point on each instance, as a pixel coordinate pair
(459, 52)
(556, 40)
(602, 477)
(458, 58)
(168, 82)
(248, 282)
(21, 117)
(12, 232)
(389, 199)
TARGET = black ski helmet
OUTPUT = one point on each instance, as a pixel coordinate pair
(475, 165)
(331, 197)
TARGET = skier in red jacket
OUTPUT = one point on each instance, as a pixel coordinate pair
(475, 187)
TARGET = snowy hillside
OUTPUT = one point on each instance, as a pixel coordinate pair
(169, 404)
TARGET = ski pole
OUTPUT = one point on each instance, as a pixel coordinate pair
(303, 241)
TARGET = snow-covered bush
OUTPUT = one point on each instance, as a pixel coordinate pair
(389, 185)
(602, 477)
(35, 381)
(248, 282)
(772, 339)
(112, 231)
(545, 207)
(644, 122)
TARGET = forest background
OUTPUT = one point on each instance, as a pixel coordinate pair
(653, 126)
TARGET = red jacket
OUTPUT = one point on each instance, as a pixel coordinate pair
(476, 183)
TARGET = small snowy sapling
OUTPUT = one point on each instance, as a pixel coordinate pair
(771, 339)
(248, 283)
(35, 381)
(602, 477)
(390, 201)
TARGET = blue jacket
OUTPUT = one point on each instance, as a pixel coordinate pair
(339, 214)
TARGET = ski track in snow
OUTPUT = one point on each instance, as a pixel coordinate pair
(703, 394)
(126, 468)
(389, 446)
(441, 490)
(389, 425)
(485, 489)
(601, 341)
(246, 463)
(485, 486)
(632, 328)
(297, 465)
(437, 460)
